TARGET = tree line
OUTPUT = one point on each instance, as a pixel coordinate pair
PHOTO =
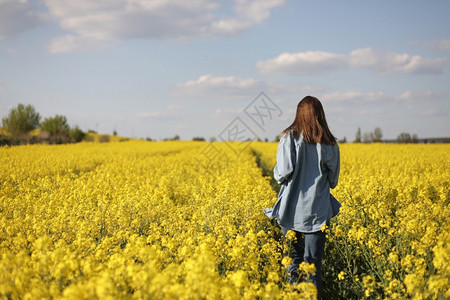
(377, 135)
(23, 119)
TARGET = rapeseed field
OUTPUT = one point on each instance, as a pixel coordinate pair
(184, 220)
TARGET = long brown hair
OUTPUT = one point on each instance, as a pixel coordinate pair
(311, 123)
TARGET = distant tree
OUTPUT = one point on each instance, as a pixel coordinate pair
(198, 138)
(76, 134)
(21, 120)
(404, 137)
(175, 138)
(115, 132)
(266, 140)
(343, 141)
(358, 135)
(377, 135)
(367, 137)
(212, 139)
(4, 140)
(91, 131)
(56, 125)
(148, 139)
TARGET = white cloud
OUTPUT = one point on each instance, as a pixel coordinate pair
(234, 88)
(438, 45)
(17, 17)
(394, 112)
(125, 19)
(373, 99)
(414, 96)
(390, 62)
(214, 87)
(302, 63)
(355, 97)
(164, 19)
(247, 14)
(319, 62)
(70, 43)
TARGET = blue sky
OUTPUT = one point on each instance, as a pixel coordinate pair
(154, 68)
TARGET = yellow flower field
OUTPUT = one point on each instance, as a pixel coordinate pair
(391, 239)
(184, 220)
(137, 219)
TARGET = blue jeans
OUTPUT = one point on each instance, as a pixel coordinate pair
(308, 247)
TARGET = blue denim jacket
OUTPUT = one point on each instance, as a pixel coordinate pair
(306, 172)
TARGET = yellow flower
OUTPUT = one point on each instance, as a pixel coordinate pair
(291, 236)
(239, 278)
(286, 261)
(309, 269)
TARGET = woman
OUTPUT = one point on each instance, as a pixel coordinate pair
(307, 167)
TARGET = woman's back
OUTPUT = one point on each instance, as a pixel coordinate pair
(306, 172)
